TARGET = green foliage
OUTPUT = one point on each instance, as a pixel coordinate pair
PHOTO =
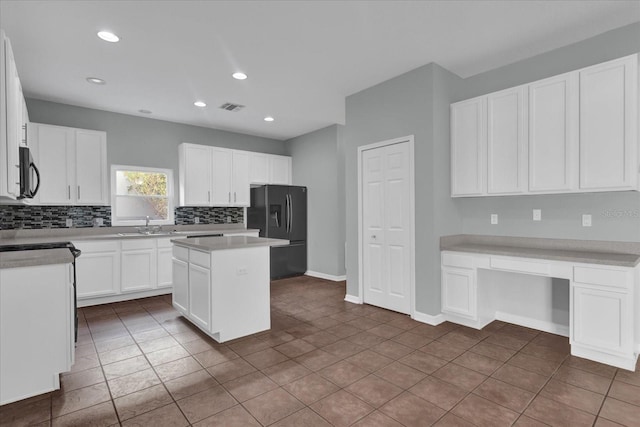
(149, 184)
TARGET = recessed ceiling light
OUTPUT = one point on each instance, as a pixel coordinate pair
(200, 104)
(269, 119)
(108, 36)
(96, 81)
(239, 76)
(144, 111)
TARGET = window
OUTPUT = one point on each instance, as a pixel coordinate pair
(138, 192)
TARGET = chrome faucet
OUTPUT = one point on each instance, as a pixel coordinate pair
(146, 224)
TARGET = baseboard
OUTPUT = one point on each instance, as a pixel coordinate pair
(325, 276)
(87, 302)
(353, 299)
(540, 325)
(428, 319)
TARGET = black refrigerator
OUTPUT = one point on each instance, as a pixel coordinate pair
(280, 212)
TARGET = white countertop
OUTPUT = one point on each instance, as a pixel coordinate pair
(16, 259)
(210, 244)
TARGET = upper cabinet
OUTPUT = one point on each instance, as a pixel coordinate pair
(576, 132)
(13, 121)
(72, 163)
(214, 176)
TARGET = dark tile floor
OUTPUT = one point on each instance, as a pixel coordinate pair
(324, 362)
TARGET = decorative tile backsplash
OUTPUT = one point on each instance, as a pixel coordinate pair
(187, 215)
(35, 217)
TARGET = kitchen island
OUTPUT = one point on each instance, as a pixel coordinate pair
(221, 284)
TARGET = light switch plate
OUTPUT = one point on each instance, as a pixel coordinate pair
(586, 220)
(69, 222)
(229, 219)
(537, 215)
(494, 219)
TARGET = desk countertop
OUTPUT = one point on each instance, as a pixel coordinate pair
(623, 254)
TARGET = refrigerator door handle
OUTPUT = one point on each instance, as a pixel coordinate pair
(286, 209)
(290, 213)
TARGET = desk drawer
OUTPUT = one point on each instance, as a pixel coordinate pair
(521, 266)
(203, 259)
(457, 260)
(602, 276)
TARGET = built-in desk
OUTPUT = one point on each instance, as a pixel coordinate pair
(603, 284)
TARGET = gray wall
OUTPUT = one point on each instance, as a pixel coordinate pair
(616, 215)
(140, 141)
(316, 164)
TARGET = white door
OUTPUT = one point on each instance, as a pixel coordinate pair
(553, 134)
(459, 291)
(57, 170)
(386, 226)
(91, 165)
(195, 174)
(258, 168)
(279, 170)
(506, 142)
(608, 118)
(221, 192)
(180, 279)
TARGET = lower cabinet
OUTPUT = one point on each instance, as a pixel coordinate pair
(98, 269)
(200, 296)
(163, 258)
(138, 265)
(459, 292)
(181, 284)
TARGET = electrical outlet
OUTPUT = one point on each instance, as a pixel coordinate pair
(99, 222)
(494, 219)
(537, 215)
(196, 220)
(229, 219)
(586, 220)
(69, 222)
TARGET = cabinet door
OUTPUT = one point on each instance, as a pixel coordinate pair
(506, 142)
(608, 125)
(241, 193)
(195, 175)
(200, 296)
(13, 122)
(57, 169)
(459, 292)
(258, 168)
(468, 145)
(91, 167)
(97, 269)
(279, 170)
(221, 190)
(163, 271)
(180, 278)
(553, 134)
(602, 319)
(138, 265)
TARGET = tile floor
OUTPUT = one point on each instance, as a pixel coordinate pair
(324, 362)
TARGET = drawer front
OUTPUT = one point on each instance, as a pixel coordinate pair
(602, 276)
(203, 259)
(521, 266)
(138, 244)
(181, 253)
(93, 247)
(457, 260)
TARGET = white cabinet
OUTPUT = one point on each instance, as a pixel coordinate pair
(571, 133)
(553, 134)
(13, 119)
(180, 274)
(98, 269)
(506, 142)
(37, 340)
(459, 292)
(138, 265)
(258, 168)
(163, 258)
(608, 125)
(279, 170)
(200, 295)
(212, 176)
(468, 147)
(72, 163)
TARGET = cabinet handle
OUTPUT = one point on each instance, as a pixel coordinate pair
(25, 140)
(229, 196)
(234, 197)
(208, 196)
(69, 192)
(78, 192)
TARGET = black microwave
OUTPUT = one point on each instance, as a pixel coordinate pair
(28, 171)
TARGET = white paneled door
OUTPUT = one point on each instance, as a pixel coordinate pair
(387, 226)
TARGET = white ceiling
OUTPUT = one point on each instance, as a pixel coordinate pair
(302, 57)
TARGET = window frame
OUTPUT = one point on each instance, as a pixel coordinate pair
(170, 196)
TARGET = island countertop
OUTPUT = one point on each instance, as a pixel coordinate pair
(210, 244)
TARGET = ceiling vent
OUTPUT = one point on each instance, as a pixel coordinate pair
(231, 107)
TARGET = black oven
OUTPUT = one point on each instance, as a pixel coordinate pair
(28, 174)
